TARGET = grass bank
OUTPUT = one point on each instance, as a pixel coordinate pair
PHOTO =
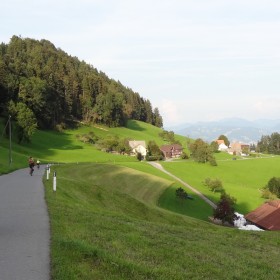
(106, 225)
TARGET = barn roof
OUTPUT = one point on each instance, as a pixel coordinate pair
(134, 144)
(167, 148)
(267, 216)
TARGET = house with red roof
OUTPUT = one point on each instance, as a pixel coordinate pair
(222, 146)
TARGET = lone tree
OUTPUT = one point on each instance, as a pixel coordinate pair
(202, 152)
(225, 209)
(181, 194)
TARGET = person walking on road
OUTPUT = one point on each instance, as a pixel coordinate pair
(31, 165)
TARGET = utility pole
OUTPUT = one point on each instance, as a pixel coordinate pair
(10, 138)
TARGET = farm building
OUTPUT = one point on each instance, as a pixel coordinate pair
(222, 146)
(267, 216)
(172, 151)
(138, 147)
(237, 148)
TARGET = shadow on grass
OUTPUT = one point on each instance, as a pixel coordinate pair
(133, 125)
(241, 207)
(196, 207)
(46, 142)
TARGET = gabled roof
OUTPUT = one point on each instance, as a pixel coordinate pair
(266, 216)
(220, 141)
(167, 148)
(134, 144)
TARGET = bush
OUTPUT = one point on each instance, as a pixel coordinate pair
(212, 161)
(184, 156)
(273, 186)
(266, 193)
(139, 156)
(215, 185)
(60, 127)
(153, 158)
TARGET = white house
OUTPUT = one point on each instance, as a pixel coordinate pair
(222, 146)
(138, 147)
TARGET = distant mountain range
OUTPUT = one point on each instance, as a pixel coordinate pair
(235, 129)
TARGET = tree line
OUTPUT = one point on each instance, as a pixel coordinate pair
(269, 144)
(44, 86)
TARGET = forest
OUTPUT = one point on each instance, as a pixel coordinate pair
(41, 86)
(269, 144)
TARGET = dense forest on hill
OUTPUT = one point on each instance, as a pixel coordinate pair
(45, 85)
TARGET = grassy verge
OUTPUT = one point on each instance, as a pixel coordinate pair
(105, 227)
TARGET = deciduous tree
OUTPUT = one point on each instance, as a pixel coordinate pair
(201, 151)
(223, 137)
(225, 209)
(26, 123)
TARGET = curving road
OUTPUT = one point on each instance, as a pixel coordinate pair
(160, 167)
(24, 227)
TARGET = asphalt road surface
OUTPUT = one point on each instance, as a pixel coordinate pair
(24, 227)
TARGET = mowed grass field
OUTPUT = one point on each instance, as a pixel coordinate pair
(113, 217)
(242, 178)
(106, 224)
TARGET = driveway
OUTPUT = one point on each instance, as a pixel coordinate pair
(24, 227)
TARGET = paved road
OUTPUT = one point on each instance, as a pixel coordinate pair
(24, 227)
(207, 200)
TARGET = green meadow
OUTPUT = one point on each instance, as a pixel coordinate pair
(242, 178)
(113, 217)
(106, 224)
(64, 147)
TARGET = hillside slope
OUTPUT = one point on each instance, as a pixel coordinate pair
(104, 227)
(51, 146)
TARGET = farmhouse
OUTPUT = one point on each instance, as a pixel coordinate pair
(138, 147)
(267, 216)
(222, 146)
(172, 151)
(237, 148)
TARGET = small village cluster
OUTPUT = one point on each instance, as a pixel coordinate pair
(169, 151)
(265, 217)
(235, 148)
(175, 150)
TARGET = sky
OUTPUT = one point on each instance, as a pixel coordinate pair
(196, 60)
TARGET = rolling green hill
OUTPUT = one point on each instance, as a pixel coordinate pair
(117, 218)
(106, 224)
(51, 146)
